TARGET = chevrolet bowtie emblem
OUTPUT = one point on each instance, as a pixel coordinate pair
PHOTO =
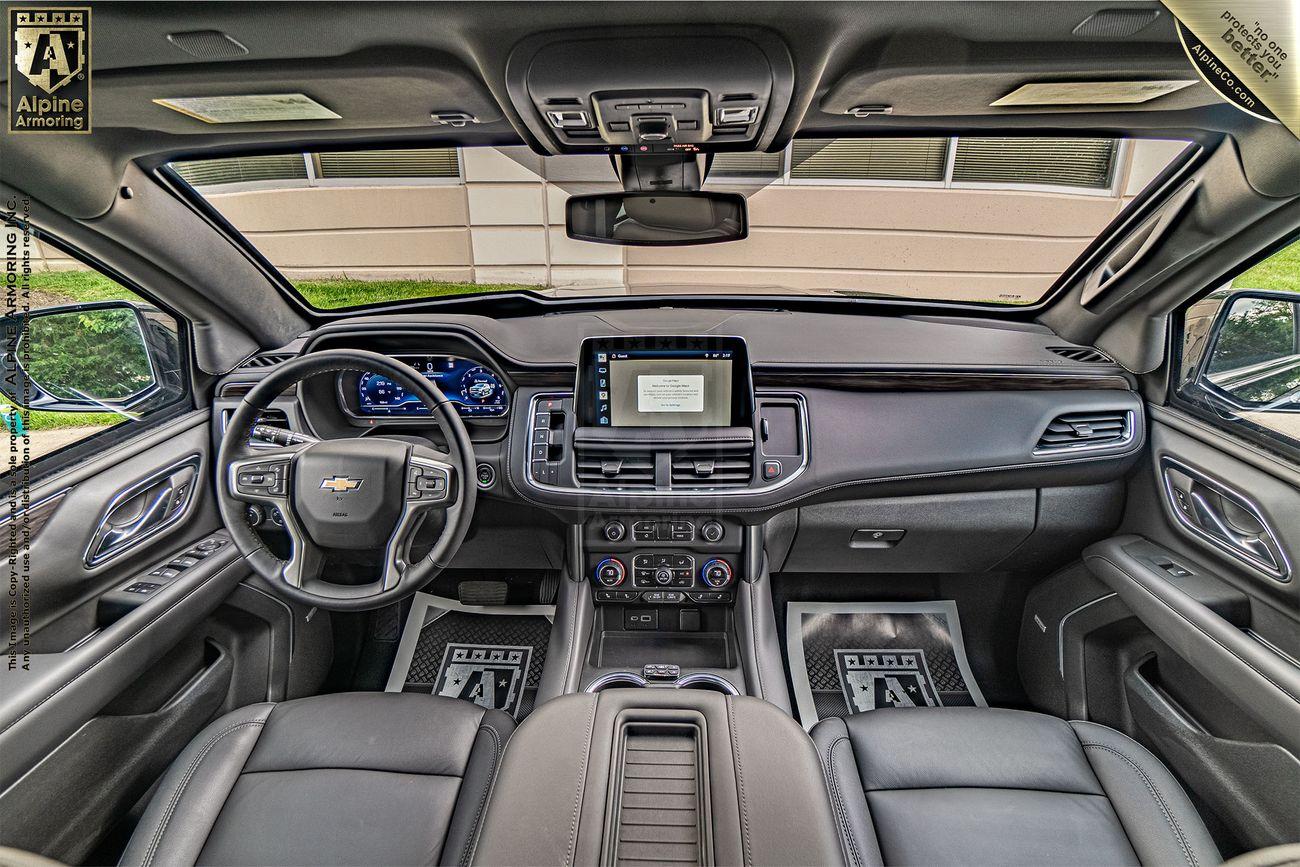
(340, 484)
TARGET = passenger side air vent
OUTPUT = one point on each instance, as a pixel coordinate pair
(599, 468)
(1084, 354)
(721, 468)
(1094, 430)
(270, 359)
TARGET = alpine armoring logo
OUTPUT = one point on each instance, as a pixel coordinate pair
(50, 92)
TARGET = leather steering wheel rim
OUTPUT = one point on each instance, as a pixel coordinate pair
(461, 491)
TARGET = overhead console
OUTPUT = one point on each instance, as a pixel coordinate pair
(660, 92)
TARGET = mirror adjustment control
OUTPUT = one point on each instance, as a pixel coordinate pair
(610, 572)
(716, 573)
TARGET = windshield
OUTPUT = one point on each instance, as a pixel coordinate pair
(971, 219)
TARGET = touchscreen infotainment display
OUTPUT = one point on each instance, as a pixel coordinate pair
(665, 384)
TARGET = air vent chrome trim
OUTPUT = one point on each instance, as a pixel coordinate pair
(265, 359)
(1126, 439)
(787, 477)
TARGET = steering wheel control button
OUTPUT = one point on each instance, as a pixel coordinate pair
(425, 483)
(614, 531)
(716, 573)
(263, 478)
(254, 515)
(610, 572)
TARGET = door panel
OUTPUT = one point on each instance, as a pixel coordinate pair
(113, 683)
(1210, 676)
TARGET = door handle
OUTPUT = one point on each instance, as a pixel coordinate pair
(142, 510)
(1213, 522)
(1226, 518)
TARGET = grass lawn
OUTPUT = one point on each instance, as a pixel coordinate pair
(1280, 271)
(338, 293)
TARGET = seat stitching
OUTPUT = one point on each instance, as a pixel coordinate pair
(837, 798)
(1199, 629)
(1155, 793)
(740, 781)
(582, 781)
(482, 801)
(185, 781)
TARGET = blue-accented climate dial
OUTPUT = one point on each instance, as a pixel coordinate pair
(475, 390)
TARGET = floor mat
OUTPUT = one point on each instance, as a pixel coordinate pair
(492, 656)
(852, 657)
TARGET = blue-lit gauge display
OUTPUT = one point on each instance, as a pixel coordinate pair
(475, 390)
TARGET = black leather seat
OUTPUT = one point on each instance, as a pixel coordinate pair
(357, 778)
(990, 786)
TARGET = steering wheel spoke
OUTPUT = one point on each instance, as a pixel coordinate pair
(430, 485)
(266, 479)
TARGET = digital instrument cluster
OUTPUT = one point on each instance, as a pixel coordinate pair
(475, 390)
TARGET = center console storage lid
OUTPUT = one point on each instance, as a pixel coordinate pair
(587, 778)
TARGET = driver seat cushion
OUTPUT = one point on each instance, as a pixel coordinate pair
(966, 785)
(351, 778)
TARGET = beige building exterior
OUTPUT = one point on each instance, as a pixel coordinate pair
(502, 221)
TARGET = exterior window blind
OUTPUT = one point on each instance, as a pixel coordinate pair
(235, 170)
(427, 163)
(868, 159)
(740, 165)
(1069, 162)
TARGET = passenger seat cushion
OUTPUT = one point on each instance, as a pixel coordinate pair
(337, 779)
(982, 785)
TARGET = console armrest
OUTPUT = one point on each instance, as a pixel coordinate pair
(732, 780)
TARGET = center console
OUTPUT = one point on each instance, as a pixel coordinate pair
(663, 776)
(660, 435)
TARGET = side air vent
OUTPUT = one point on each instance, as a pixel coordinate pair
(1091, 430)
(723, 468)
(597, 468)
(1084, 354)
(270, 359)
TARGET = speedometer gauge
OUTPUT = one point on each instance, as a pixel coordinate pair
(475, 390)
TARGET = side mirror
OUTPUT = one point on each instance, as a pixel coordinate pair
(86, 357)
(1253, 358)
(667, 219)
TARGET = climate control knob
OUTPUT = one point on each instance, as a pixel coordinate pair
(663, 577)
(716, 573)
(610, 572)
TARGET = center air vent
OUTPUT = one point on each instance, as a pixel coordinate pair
(1085, 354)
(1095, 430)
(270, 359)
(598, 468)
(723, 468)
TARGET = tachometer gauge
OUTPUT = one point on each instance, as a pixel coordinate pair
(480, 387)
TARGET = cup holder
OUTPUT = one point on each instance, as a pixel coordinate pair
(630, 679)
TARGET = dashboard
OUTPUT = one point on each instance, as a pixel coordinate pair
(474, 388)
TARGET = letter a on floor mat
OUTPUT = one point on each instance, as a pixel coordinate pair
(853, 657)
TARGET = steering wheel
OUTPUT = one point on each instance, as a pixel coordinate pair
(357, 494)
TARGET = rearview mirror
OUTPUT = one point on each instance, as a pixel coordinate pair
(1254, 360)
(657, 219)
(80, 357)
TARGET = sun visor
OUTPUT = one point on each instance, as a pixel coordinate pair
(367, 90)
(954, 79)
